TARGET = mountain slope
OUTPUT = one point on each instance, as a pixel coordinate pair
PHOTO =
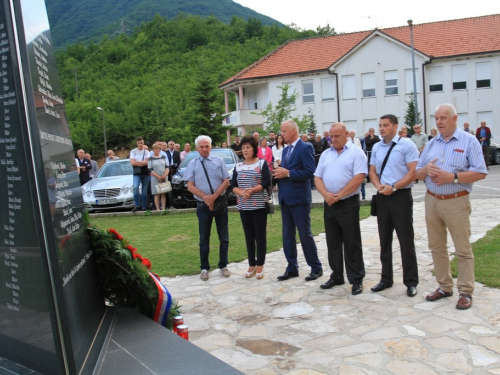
(83, 21)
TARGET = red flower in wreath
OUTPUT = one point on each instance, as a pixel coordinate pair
(133, 251)
(147, 263)
(116, 234)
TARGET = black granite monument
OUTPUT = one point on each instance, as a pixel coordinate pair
(52, 316)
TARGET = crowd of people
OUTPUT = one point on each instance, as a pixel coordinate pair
(338, 165)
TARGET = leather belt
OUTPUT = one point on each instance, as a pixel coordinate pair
(449, 196)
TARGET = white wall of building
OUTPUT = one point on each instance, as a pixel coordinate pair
(376, 79)
(379, 67)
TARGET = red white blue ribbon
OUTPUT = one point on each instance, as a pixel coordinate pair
(164, 302)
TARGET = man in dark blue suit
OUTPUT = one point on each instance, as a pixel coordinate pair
(297, 169)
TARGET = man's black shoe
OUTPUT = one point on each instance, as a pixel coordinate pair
(357, 289)
(288, 275)
(330, 284)
(381, 286)
(314, 275)
(135, 209)
(411, 291)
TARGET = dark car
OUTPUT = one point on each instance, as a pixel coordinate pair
(180, 194)
(494, 153)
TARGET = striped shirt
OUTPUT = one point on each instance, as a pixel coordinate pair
(216, 170)
(336, 170)
(462, 152)
(247, 176)
(396, 168)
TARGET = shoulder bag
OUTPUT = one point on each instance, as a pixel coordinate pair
(220, 204)
(142, 170)
(373, 205)
(270, 209)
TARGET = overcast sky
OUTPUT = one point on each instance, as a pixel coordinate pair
(359, 15)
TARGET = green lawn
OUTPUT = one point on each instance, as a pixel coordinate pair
(486, 259)
(171, 241)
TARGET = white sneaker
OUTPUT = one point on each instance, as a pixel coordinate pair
(225, 272)
(204, 275)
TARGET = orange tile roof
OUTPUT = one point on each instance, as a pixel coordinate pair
(436, 39)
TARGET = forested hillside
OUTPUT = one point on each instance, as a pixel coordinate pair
(90, 20)
(161, 82)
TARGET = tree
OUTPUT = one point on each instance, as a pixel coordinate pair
(275, 115)
(309, 121)
(410, 114)
(206, 119)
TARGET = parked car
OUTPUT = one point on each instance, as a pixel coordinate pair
(494, 153)
(181, 195)
(111, 188)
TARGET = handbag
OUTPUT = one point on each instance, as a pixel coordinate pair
(270, 209)
(220, 204)
(373, 203)
(163, 187)
(142, 170)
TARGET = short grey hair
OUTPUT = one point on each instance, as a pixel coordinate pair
(339, 124)
(292, 124)
(452, 111)
(202, 138)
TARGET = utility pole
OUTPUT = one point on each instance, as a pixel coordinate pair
(410, 23)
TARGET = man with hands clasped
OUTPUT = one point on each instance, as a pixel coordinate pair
(450, 164)
(340, 172)
(395, 202)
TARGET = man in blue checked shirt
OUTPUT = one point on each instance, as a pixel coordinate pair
(205, 192)
(450, 164)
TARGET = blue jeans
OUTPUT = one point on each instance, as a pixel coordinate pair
(144, 182)
(205, 220)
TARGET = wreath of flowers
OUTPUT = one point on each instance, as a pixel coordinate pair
(125, 275)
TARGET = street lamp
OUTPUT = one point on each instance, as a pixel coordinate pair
(103, 130)
(410, 23)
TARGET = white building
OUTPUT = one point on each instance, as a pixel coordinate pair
(356, 78)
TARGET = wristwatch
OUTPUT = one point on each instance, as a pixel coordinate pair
(394, 188)
(455, 180)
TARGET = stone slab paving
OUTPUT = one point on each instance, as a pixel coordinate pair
(266, 327)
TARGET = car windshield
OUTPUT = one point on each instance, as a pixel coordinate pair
(115, 169)
(225, 154)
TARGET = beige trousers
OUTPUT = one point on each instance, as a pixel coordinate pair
(452, 215)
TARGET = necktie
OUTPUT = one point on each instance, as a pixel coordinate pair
(288, 154)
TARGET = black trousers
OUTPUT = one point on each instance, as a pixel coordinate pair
(395, 211)
(343, 239)
(254, 226)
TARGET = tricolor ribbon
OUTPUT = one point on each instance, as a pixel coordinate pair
(164, 302)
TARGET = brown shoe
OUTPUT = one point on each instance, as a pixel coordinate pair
(464, 301)
(438, 294)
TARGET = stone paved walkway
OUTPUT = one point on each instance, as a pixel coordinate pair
(294, 327)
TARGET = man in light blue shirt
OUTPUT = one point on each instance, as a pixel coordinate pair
(340, 172)
(450, 164)
(395, 202)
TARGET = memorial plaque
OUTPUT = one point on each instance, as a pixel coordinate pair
(51, 307)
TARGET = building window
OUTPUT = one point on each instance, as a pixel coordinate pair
(409, 81)
(435, 79)
(391, 83)
(307, 92)
(459, 75)
(483, 75)
(348, 87)
(327, 89)
(368, 84)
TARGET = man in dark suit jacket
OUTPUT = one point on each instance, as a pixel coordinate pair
(174, 158)
(483, 135)
(297, 169)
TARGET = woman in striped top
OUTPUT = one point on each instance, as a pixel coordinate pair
(251, 178)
